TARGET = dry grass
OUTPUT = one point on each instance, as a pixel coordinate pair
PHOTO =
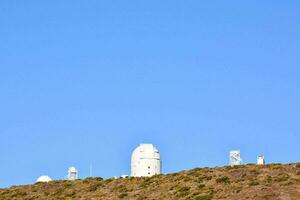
(251, 182)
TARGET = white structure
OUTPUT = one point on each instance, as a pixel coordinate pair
(235, 158)
(43, 179)
(124, 176)
(260, 160)
(72, 174)
(145, 161)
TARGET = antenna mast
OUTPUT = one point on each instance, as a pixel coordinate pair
(91, 170)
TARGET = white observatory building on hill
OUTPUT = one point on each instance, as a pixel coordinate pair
(235, 158)
(145, 161)
(72, 174)
(260, 160)
(43, 179)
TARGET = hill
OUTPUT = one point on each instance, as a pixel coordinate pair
(251, 182)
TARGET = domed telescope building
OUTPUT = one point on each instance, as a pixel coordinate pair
(72, 174)
(43, 179)
(260, 160)
(235, 158)
(145, 161)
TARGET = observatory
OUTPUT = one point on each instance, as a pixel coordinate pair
(43, 179)
(235, 158)
(145, 161)
(72, 174)
(261, 160)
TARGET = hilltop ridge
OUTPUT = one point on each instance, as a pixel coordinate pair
(274, 181)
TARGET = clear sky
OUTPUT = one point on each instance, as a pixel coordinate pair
(86, 81)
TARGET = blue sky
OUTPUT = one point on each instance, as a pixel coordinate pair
(86, 81)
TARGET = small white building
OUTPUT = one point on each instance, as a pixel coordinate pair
(235, 158)
(43, 179)
(260, 160)
(145, 161)
(72, 174)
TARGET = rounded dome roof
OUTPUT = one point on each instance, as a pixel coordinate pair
(145, 151)
(44, 179)
(72, 169)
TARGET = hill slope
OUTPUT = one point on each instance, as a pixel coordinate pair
(273, 181)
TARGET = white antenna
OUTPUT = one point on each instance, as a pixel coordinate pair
(91, 170)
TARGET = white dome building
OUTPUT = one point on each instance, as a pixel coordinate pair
(72, 174)
(43, 179)
(235, 158)
(260, 160)
(145, 161)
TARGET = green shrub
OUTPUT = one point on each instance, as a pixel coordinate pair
(238, 166)
(200, 179)
(268, 178)
(120, 188)
(186, 179)
(182, 191)
(282, 177)
(253, 183)
(95, 187)
(141, 198)
(243, 175)
(67, 184)
(71, 194)
(146, 183)
(204, 197)
(122, 195)
(201, 186)
(254, 172)
(223, 179)
(108, 180)
(19, 193)
(276, 166)
(99, 179)
(208, 178)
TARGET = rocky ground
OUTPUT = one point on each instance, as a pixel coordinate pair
(251, 182)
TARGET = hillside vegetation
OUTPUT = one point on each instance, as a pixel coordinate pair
(251, 182)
